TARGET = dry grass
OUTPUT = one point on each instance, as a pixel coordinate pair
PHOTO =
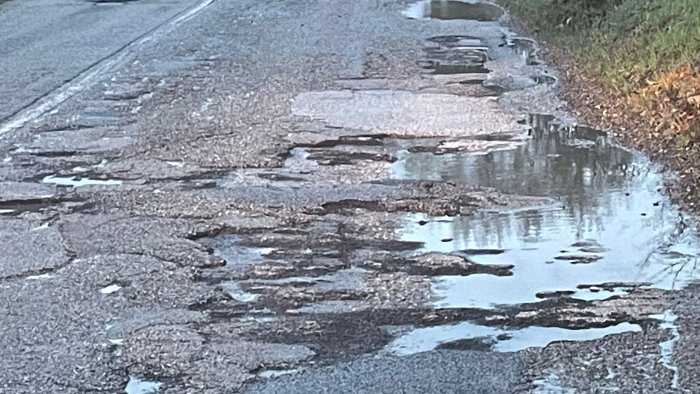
(670, 104)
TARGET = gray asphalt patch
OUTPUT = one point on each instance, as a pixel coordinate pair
(434, 372)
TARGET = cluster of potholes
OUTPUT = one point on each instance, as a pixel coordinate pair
(404, 277)
(498, 279)
(463, 59)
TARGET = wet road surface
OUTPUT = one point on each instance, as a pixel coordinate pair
(373, 196)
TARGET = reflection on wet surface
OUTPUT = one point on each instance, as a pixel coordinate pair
(456, 55)
(233, 289)
(110, 289)
(496, 339)
(138, 386)
(79, 181)
(611, 230)
(39, 277)
(236, 256)
(444, 9)
(668, 322)
(274, 373)
(525, 48)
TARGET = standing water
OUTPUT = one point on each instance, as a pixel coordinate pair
(609, 230)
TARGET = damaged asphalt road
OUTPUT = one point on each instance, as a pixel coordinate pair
(367, 196)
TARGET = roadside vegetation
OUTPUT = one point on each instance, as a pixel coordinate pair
(640, 60)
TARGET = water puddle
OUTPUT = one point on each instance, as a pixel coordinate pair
(610, 231)
(77, 181)
(668, 322)
(138, 386)
(525, 48)
(447, 10)
(39, 277)
(236, 293)
(110, 289)
(275, 373)
(450, 55)
(229, 248)
(497, 339)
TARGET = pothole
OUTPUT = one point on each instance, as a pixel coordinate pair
(448, 10)
(236, 255)
(78, 181)
(139, 386)
(496, 339)
(275, 373)
(610, 232)
(525, 48)
(667, 321)
(456, 55)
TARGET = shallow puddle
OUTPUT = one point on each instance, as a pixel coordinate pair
(236, 256)
(75, 181)
(450, 55)
(525, 48)
(138, 386)
(236, 293)
(668, 322)
(275, 373)
(496, 339)
(445, 9)
(610, 229)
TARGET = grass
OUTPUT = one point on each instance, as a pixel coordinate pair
(624, 41)
(647, 52)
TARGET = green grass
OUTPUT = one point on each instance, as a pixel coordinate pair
(623, 41)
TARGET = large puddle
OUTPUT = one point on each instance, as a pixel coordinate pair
(609, 230)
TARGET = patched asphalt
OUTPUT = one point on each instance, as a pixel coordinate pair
(236, 205)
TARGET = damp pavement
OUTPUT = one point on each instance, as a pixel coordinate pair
(356, 197)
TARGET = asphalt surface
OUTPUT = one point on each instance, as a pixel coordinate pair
(271, 196)
(46, 43)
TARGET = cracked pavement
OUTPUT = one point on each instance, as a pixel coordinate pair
(274, 196)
